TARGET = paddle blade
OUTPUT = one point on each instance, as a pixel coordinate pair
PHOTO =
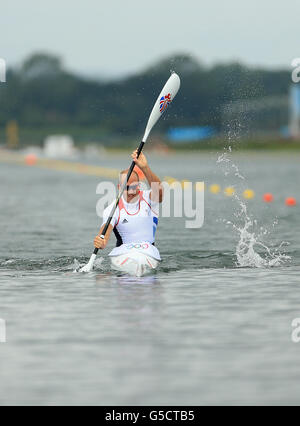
(89, 266)
(164, 99)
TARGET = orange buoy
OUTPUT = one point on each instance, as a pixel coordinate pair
(30, 159)
(268, 198)
(291, 201)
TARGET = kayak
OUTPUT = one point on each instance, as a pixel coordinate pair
(135, 263)
(136, 259)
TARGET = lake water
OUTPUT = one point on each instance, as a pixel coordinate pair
(212, 326)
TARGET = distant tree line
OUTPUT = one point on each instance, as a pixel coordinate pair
(42, 95)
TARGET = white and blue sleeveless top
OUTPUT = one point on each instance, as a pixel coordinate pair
(134, 222)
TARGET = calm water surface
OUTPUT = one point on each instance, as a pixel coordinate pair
(202, 330)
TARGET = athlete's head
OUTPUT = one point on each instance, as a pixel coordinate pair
(133, 184)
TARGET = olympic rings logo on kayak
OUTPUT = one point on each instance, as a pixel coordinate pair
(143, 246)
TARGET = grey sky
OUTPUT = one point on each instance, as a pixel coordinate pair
(124, 36)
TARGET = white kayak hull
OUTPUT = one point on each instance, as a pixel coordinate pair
(134, 263)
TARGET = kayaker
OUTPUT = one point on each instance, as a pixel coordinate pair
(136, 217)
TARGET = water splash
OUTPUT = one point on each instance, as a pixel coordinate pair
(251, 251)
(97, 264)
(224, 158)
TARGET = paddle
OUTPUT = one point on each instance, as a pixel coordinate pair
(166, 96)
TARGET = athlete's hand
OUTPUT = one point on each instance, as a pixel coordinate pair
(99, 242)
(141, 162)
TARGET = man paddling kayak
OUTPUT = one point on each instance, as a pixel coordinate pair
(134, 222)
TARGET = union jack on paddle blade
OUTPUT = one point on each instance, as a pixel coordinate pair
(164, 102)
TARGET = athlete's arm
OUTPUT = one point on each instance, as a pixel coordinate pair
(156, 193)
(98, 241)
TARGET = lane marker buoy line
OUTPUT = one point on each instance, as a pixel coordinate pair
(110, 173)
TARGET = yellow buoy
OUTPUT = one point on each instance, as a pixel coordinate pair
(248, 194)
(215, 189)
(170, 180)
(185, 183)
(229, 191)
(200, 186)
